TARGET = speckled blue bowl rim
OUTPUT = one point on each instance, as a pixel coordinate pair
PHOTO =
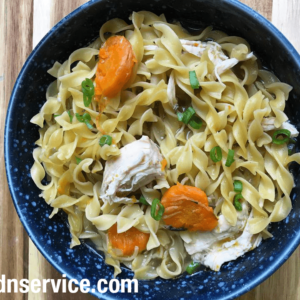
(290, 248)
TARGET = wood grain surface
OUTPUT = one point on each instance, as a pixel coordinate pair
(22, 24)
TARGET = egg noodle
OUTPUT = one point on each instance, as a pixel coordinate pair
(240, 105)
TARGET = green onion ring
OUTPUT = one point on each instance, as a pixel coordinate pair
(216, 154)
(157, 216)
(88, 87)
(237, 204)
(238, 186)
(87, 100)
(230, 158)
(143, 200)
(194, 80)
(187, 115)
(78, 160)
(105, 140)
(192, 267)
(195, 122)
(285, 132)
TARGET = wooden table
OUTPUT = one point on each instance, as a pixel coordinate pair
(23, 24)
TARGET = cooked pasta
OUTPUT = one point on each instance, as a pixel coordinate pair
(165, 148)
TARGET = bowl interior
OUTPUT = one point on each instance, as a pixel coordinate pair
(52, 236)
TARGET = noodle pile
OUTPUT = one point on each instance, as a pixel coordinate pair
(233, 106)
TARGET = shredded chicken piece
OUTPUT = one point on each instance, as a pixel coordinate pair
(214, 248)
(268, 125)
(138, 164)
(216, 55)
(230, 250)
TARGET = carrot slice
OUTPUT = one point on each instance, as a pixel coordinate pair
(116, 61)
(126, 241)
(187, 207)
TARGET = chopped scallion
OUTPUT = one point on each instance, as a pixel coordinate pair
(238, 186)
(195, 122)
(230, 158)
(56, 115)
(87, 100)
(284, 140)
(85, 118)
(237, 204)
(216, 154)
(78, 160)
(157, 216)
(105, 140)
(187, 115)
(194, 80)
(88, 91)
(88, 87)
(192, 267)
(180, 116)
(143, 200)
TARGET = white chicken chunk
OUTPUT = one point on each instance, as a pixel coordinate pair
(210, 249)
(216, 55)
(229, 251)
(201, 241)
(268, 125)
(138, 164)
(197, 48)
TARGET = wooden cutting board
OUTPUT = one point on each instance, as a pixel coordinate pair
(22, 24)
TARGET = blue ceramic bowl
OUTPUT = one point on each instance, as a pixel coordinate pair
(52, 237)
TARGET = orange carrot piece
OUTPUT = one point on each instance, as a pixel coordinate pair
(116, 61)
(187, 207)
(126, 241)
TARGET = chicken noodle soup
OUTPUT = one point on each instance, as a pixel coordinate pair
(168, 150)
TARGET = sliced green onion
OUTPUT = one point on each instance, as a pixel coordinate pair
(143, 200)
(70, 116)
(216, 154)
(87, 100)
(105, 140)
(180, 116)
(88, 91)
(157, 216)
(56, 116)
(238, 186)
(78, 160)
(88, 87)
(79, 117)
(85, 118)
(292, 141)
(195, 122)
(192, 267)
(237, 204)
(187, 115)
(230, 158)
(194, 80)
(283, 132)
(290, 152)
(88, 124)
